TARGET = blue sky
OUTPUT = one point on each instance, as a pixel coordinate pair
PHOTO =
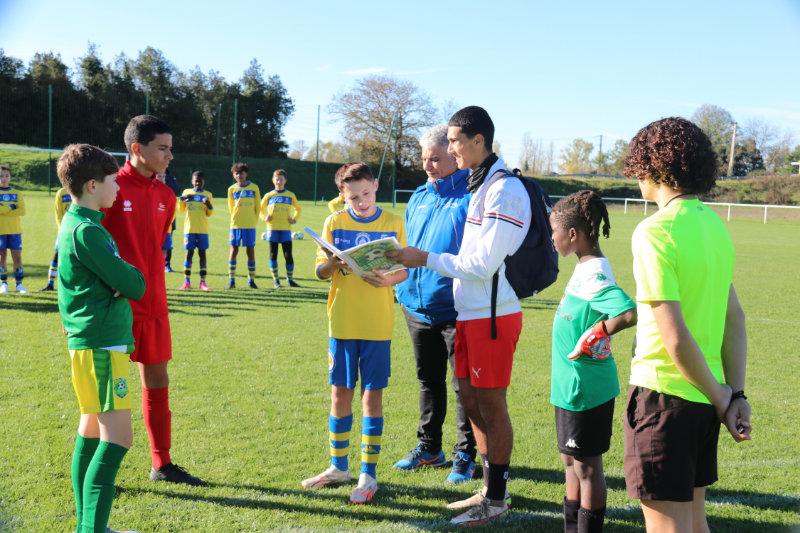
(558, 70)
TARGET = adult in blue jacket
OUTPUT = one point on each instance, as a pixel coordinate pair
(435, 219)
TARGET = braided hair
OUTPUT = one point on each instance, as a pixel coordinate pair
(584, 211)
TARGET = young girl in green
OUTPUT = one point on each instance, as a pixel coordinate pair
(584, 376)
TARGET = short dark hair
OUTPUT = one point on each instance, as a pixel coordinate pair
(474, 120)
(3, 167)
(239, 167)
(279, 172)
(353, 172)
(674, 151)
(198, 174)
(81, 163)
(584, 211)
(143, 128)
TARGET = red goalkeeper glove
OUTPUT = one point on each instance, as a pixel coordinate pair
(595, 343)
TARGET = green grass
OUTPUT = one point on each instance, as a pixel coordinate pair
(249, 397)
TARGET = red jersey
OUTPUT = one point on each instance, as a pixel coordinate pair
(139, 221)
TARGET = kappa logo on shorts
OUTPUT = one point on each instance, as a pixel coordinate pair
(331, 362)
(571, 444)
(121, 388)
(476, 372)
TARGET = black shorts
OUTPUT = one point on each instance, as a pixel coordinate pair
(670, 446)
(585, 433)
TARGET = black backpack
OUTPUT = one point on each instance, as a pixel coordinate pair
(534, 266)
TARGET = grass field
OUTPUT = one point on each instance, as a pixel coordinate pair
(250, 399)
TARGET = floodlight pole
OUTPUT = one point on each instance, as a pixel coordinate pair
(235, 120)
(316, 161)
(733, 149)
(49, 135)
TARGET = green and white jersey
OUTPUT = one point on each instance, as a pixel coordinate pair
(591, 295)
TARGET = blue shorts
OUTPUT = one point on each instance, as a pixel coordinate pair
(195, 240)
(347, 357)
(279, 235)
(167, 242)
(243, 237)
(11, 242)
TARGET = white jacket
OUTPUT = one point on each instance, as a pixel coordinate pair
(490, 234)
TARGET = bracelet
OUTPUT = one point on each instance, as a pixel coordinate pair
(738, 394)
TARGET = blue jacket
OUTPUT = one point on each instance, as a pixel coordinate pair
(435, 219)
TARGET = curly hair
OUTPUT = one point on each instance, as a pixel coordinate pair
(674, 151)
(584, 211)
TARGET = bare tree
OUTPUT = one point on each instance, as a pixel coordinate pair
(535, 158)
(299, 149)
(773, 143)
(369, 108)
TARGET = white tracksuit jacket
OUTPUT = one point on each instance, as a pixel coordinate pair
(490, 234)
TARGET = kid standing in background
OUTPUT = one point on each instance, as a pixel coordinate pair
(243, 205)
(62, 202)
(93, 301)
(584, 376)
(12, 206)
(280, 210)
(197, 203)
(337, 204)
(360, 323)
(166, 248)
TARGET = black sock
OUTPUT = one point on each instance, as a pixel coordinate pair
(498, 477)
(591, 521)
(571, 515)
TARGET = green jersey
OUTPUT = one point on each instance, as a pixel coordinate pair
(591, 295)
(682, 253)
(90, 272)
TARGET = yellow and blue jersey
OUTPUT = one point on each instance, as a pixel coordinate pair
(243, 204)
(356, 309)
(197, 212)
(281, 205)
(62, 202)
(12, 206)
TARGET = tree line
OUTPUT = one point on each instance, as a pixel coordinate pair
(93, 102)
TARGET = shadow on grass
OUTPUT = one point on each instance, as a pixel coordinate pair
(536, 304)
(215, 303)
(399, 503)
(31, 303)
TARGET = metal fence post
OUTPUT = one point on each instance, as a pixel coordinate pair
(49, 135)
(235, 121)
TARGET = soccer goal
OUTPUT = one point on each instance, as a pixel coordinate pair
(401, 195)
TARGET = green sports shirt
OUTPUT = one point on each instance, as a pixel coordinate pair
(90, 271)
(591, 295)
(681, 253)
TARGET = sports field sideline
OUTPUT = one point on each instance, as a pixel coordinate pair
(250, 399)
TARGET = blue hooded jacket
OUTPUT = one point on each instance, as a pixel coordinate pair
(435, 219)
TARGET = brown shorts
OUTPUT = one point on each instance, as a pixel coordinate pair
(670, 446)
(153, 341)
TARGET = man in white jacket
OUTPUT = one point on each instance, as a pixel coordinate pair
(498, 219)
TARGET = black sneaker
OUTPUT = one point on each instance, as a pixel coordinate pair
(253, 284)
(231, 285)
(292, 283)
(47, 287)
(175, 474)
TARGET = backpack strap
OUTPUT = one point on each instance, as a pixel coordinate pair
(502, 173)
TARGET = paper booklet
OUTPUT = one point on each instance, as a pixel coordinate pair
(364, 257)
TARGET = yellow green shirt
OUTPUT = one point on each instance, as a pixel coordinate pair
(356, 309)
(281, 205)
(244, 204)
(191, 203)
(681, 253)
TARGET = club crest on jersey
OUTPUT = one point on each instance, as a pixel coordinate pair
(362, 237)
(127, 205)
(121, 388)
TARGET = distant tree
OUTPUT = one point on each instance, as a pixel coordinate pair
(575, 158)
(48, 69)
(616, 157)
(265, 107)
(717, 123)
(792, 157)
(535, 158)
(298, 150)
(368, 109)
(747, 158)
(497, 149)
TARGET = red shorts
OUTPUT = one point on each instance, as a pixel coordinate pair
(153, 341)
(486, 361)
